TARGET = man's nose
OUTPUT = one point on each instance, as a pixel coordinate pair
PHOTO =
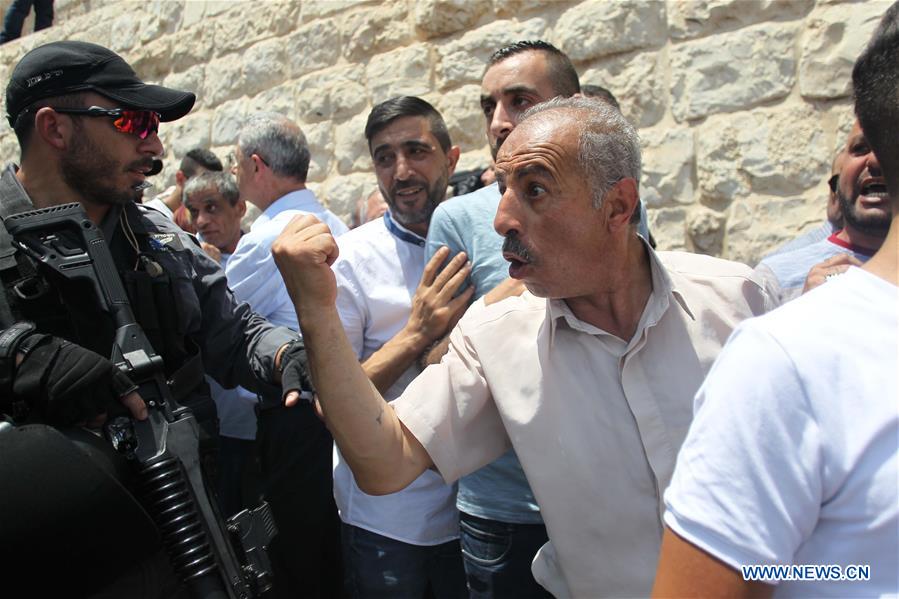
(873, 165)
(506, 218)
(152, 145)
(502, 122)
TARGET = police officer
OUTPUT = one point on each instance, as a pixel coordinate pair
(87, 128)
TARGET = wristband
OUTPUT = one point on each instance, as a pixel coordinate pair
(10, 340)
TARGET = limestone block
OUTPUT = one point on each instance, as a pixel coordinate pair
(320, 140)
(350, 149)
(184, 134)
(251, 22)
(668, 156)
(597, 28)
(213, 8)
(314, 46)
(782, 152)
(515, 8)
(706, 230)
(163, 16)
(190, 80)
(9, 147)
(152, 60)
(340, 194)
(193, 14)
(732, 71)
(463, 61)
(193, 46)
(406, 71)
(127, 33)
(263, 66)
(696, 18)
(224, 80)
(462, 112)
(436, 18)
(281, 99)
(474, 160)
(833, 39)
(760, 224)
(227, 121)
(370, 31)
(97, 34)
(331, 95)
(637, 80)
(315, 9)
(668, 226)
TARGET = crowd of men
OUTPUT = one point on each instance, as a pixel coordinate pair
(508, 393)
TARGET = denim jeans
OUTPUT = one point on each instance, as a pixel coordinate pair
(498, 557)
(377, 566)
(18, 11)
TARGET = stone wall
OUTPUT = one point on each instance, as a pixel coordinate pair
(741, 104)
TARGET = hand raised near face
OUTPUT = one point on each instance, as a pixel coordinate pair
(434, 309)
(304, 253)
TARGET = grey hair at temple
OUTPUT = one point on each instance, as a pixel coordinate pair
(278, 141)
(608, 146)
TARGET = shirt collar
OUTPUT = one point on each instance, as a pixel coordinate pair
(300, 199)
(664, 286)
(401, 232)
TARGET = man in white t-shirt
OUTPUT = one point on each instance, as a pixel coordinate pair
(792, 460)
(393, 307)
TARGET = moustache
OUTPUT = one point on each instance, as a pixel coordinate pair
(512, 245)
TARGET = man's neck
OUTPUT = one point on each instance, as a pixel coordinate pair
(885, 263)
(856, 238)
(276, 191)
(47, 189)
(618, 309)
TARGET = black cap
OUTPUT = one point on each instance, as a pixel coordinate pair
(66, 67)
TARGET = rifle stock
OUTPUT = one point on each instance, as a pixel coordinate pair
(165, 446)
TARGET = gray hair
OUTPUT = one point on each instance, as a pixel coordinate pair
(608, 146)
(278, 141)
(222, 183)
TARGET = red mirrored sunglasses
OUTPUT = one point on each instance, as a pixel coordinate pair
(137, 122)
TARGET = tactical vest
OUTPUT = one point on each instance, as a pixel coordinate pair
(58, 307)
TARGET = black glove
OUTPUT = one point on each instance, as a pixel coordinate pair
(295, 371)
(66, 383)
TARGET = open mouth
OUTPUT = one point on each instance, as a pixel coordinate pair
(874, 189)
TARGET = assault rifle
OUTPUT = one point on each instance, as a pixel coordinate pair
(165, 447)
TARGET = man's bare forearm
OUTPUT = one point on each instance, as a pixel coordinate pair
(387, 365)
(383, 456)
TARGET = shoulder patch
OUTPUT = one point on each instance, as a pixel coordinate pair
(160, 241)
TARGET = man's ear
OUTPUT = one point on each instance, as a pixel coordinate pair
(54, 128)
(180, 178)
(453, 158)
(258, 163)
(620, 202)
(242, 207)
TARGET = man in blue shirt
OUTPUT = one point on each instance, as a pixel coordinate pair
(271, 160)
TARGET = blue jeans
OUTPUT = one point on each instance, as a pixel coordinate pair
(498, 557)
(377, 566)
(18, 11)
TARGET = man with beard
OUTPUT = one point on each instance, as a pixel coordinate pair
(87, 128)
(270, 162)
(496, 503)
(865, 206)
(590, 376)
(393, 306)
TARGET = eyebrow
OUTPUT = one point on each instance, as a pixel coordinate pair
(508, 91)
(408, 144)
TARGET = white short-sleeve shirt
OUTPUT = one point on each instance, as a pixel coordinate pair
(793, 457)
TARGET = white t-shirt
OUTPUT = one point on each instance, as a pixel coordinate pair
(378, 272)
(793, 455)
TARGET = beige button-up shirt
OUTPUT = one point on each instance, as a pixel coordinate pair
(596, 421)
